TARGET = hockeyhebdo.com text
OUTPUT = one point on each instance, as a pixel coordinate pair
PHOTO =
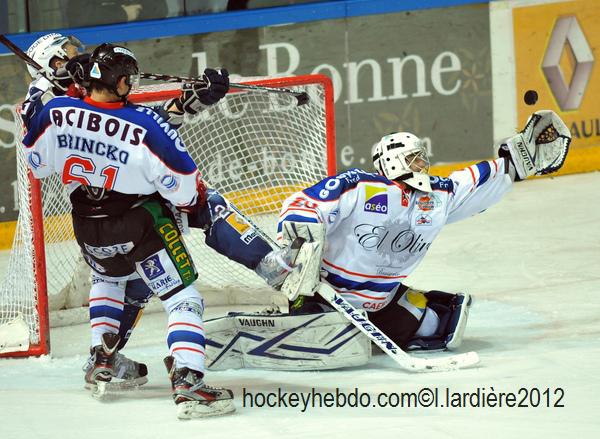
(426, 397)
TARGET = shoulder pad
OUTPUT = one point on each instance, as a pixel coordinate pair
(441, 184)
(331, 188)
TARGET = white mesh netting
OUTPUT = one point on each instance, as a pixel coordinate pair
(256, 148)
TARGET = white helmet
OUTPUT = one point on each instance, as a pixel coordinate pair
(394, 155)
(48, 47)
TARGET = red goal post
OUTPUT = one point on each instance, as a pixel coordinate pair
(255, 147)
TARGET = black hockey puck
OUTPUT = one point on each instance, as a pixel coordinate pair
(303, 98)
(530, 97)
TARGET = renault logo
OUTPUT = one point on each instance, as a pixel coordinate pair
(568, 93)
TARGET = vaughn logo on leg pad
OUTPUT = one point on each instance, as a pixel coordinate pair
(376, 199)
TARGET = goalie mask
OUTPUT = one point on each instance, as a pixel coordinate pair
(110, 63)
(403, 157)
(49, 48)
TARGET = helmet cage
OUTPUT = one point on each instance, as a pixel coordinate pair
(400, 154)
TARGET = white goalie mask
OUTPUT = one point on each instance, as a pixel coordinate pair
(403, 156)
(48, 47)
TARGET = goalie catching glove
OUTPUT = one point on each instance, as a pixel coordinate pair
(541, 148)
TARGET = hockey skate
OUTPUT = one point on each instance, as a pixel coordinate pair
(193, 398)
(453, 321)
(458, 320)
(102, 370)
(129, 374)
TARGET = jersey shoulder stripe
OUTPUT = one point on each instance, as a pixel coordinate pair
(441, 184)
(332, 188)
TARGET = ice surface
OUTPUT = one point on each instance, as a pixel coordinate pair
(533, 265)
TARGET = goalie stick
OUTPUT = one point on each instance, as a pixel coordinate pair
(403, 359)
(301, 96)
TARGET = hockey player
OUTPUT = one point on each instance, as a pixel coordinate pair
(52, 52)
(121, 164)
(379, 226)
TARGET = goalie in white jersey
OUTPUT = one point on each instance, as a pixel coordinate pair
(379, 226)
(376, 228)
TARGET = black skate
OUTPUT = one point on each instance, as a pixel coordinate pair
(102, 370)
(128, 374)
(193, 398)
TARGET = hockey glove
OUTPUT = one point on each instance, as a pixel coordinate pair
(79, 69)
(212, 89)
(200, 204)
(541, 148)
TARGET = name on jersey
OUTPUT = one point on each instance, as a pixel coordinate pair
(76, 143)
(165, 126)
(376, 199)
(103, 124)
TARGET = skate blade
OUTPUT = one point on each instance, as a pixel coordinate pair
(195, 409)
(104, 390)
(100, 391)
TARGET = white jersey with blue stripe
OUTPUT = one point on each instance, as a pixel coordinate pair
(122, 147)
(377, 230)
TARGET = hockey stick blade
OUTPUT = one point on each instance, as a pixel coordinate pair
(404, 360)
(301, 96)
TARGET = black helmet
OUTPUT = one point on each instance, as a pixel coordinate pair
(110, 63)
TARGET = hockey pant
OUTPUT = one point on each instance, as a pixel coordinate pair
(144, 240)
(226, 232)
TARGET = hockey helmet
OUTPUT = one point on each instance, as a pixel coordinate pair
(403, 156)
(109, 63)
(49, 47)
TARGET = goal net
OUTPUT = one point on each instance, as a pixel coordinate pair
(255, 147)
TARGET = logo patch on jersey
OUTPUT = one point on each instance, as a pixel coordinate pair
(238, 223)
(376, 199)
(170, 182)
(35, 160)
(152, 267)
(109, 251)
(428, 202)
(423, 220)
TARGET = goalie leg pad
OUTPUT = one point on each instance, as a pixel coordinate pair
(452, 311)
(284, 342)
